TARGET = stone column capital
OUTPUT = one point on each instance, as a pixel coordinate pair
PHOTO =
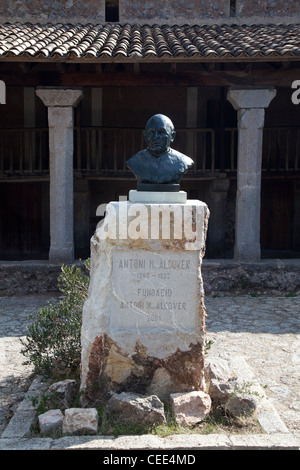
(248, 98)
(59, 96)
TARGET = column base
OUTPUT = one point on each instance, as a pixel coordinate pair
(61, 255)
(247, 252)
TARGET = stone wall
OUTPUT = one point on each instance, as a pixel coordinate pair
(218, 11)
(170, 11)
(219, 276)
(25, 278)
(279, 277)
(53, 11)
(267, 8)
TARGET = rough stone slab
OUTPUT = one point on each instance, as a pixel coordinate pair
(80, 421)
(149, 442)
(190, 408)
(51, 421)
(264, 441)
(25, 414)
(230, 388)
(20, 424)
(131, 407)
(64, 392)
(84, 442)
(269, 419)
(26, 444)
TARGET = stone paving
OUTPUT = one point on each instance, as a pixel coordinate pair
(266, 332)
(14, 375)
(263, 329)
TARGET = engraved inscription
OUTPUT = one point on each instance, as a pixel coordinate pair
(151, 290)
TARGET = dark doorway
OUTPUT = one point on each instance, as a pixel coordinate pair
(24, 221)
(276, 215)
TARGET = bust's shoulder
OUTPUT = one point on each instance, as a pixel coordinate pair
(180, 157)
(138, 156)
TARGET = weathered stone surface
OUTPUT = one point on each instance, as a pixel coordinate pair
(220, 380)
(20, 424)
(190, 408)
(25, 413)
(136, 408)
(174, 11)
(239, 396)
(58, 11)
(155, 300)
(241, 403)
(267, 275)
(218, 369)
(80, 421)
(161, 383)
(266, 8)
(144, 320)
(63, 392)
(51, 422)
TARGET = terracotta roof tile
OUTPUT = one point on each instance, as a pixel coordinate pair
(144, 42)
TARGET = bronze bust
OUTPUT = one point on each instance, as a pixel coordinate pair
(159, 164)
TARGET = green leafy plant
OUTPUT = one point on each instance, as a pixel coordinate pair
(53, 345)
(208, 345)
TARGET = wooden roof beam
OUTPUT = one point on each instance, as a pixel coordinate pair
(26, 67)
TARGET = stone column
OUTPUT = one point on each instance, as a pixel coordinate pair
(60, 102)
(250, 104)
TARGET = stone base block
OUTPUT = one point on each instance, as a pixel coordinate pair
(143, 325)
(179, 197)
(61, 255)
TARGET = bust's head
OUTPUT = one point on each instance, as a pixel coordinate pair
(159, 133)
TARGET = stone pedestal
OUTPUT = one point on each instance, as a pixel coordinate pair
(144, 321)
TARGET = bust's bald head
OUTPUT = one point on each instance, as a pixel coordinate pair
(159, 133)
